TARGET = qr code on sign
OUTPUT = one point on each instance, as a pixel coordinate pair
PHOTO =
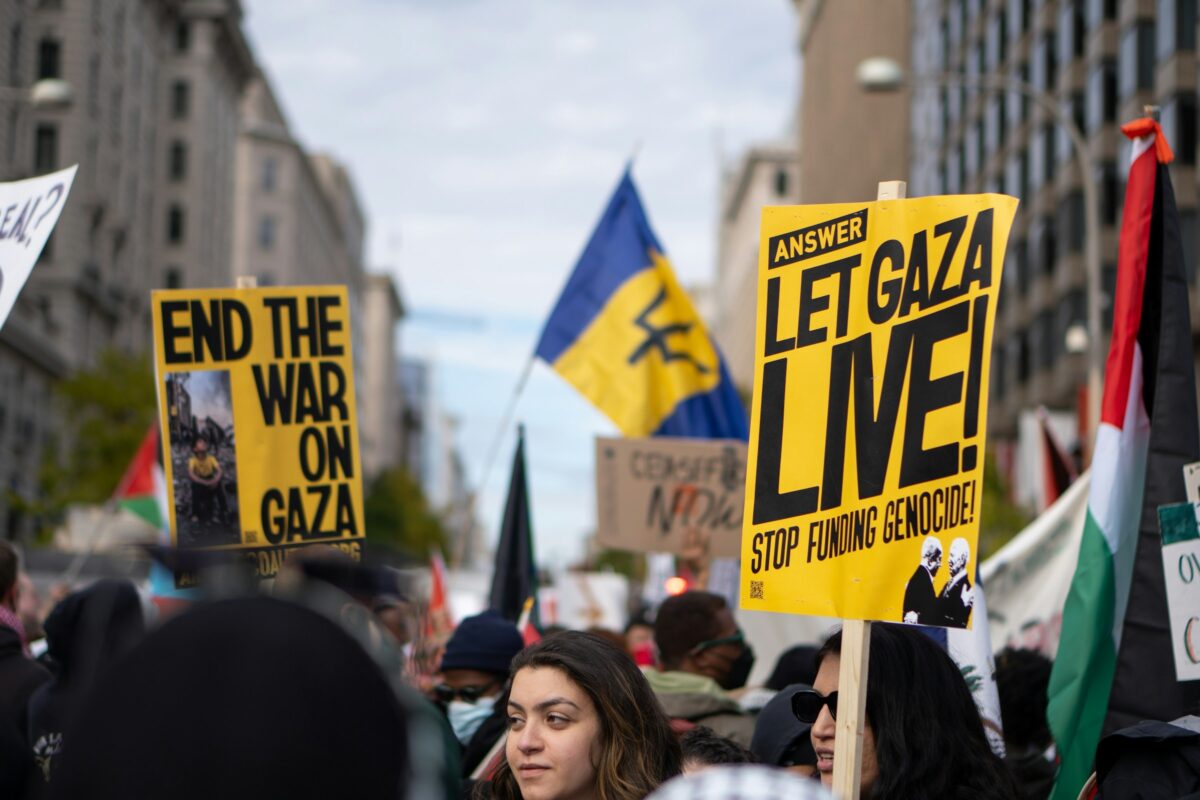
(756, 590)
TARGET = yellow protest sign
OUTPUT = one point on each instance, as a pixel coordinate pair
(864, 473)
(258, 413)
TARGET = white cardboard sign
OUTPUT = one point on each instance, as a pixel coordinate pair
(29, 210)
(1181, 571)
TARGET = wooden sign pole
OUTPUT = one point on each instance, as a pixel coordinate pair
(854, 661)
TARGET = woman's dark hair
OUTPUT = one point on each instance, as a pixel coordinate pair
(929, 739)
(638, 750)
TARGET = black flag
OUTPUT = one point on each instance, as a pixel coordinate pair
(515, 576)
(1144, 685)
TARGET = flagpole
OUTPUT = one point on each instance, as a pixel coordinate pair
(497, 440)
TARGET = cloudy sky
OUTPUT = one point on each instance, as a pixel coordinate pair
(485, 137)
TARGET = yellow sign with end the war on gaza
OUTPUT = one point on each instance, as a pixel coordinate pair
(258, 412)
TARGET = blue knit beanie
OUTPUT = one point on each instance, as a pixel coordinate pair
(486, 642)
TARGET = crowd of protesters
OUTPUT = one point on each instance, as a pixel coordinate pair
(308, 690)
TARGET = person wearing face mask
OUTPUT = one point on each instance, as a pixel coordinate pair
(703, 656)
(473, 682)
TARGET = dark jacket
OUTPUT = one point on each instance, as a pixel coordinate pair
(954, 611)
(920, 597)
(19, 677)
(85, 632)
(1150, 761)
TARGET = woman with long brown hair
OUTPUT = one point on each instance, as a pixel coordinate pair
(583, 724)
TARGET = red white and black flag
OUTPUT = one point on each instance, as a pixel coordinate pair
(1144, 685)
(1115, 664)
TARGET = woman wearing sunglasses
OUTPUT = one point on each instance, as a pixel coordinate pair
(582, 724)
(923, 736)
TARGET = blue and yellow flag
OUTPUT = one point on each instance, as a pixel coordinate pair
(626, 336)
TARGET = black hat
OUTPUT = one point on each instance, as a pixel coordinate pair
(777, 731)
(486, 642)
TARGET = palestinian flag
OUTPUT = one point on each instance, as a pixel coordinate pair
(142, 489)
(1114, 663)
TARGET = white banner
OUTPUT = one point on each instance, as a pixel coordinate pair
(29, 210)
(1027, 579)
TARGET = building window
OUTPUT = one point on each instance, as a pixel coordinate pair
(998, 372)
(45, 149)
(183, 37)
(1179, 123)
(13, 119)
(1020, 261)
(173, 278)
(175, 224)
(1001, 119)
(1070, 31)
(270, 174)
(1047, 341)
(1018, 17)
(1023, 365)
(1100, 11)
(14, 55)
(1048, 160)
(1074, 108)
(781, 183)
(1176, 27)
(1047, 245)
(181, 99)
(998, 39)
(1137, 58)
(266, 232)
(1070, 222)
(944, 44)
(1102, 95)
(49, 59)
(1110, 192)
(177, 168)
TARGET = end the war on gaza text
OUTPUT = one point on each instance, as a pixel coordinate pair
(916, 302)
(305, 387)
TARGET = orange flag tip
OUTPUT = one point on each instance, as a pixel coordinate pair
(1146, 126)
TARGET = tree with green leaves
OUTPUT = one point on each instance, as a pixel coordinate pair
(105, 412)
(398, 514)
(999, 519)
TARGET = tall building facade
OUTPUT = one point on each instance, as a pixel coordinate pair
(845, 142)
(297, 218)
(174, 131)
(1101, 62)
(849, 141)
(382, 419)
(90, 290)
(766, 175)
